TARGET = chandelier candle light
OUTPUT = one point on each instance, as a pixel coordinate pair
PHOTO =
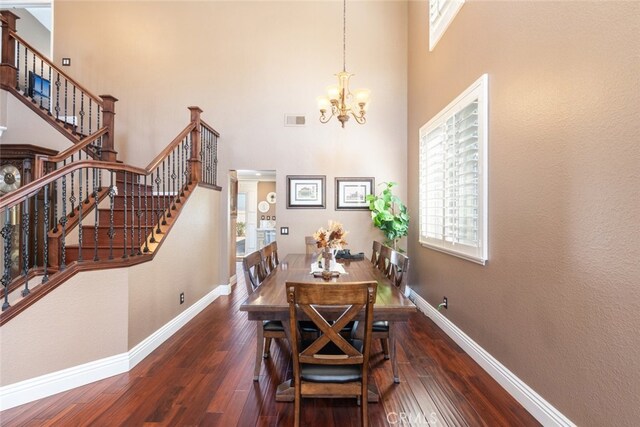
(339, 98)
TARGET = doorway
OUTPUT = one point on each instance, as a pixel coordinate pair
(256, 210)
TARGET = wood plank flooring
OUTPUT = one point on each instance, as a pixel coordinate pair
(202, 376)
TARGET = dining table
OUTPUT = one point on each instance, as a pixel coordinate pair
(269, 301)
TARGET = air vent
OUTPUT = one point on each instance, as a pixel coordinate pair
(293, 120)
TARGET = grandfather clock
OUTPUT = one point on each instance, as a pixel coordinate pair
(16, 170)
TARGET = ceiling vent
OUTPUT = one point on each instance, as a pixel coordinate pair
(293, 120)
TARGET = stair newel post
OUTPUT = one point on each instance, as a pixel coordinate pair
(8, 70)
(108, 119)
(194, 161)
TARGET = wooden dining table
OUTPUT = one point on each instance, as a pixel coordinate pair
(269, 301)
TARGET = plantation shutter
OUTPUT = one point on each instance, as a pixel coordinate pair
(452, 184)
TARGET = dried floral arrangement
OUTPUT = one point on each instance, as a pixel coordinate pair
(332, 238)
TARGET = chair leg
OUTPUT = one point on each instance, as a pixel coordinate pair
(259, 340)
(267, 347)
(297, 406)
(364, 409)
(394, 358)
(385, 347)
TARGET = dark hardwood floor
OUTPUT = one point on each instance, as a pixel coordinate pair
(203, 376)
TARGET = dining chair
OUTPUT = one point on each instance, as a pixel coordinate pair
(395, 266)
(255, 273)
(375, 252)
(311, 246)
(270, 257)
(331, 365)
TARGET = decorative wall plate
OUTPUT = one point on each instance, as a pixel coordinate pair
(263, 206)
(271, 197)
(10, 179)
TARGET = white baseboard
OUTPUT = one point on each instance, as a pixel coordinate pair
(26, 391)
(542, 410)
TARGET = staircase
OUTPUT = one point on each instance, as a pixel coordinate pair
(86, 210)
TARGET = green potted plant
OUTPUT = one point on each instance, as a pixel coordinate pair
(389, 214)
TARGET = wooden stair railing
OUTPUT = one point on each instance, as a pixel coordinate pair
(47, 90)
(122, 215)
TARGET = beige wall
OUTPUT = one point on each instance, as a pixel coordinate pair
(188, 261)
(82, 321)
(247, 64)
(100, 314)
(558, 300)
(31, 30)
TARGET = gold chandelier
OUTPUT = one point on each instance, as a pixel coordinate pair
(339, 99)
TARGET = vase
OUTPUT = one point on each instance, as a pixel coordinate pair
(327, 256)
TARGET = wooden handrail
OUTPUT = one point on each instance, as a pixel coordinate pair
(22, 193)
(210, 128)
(52, 65)
(164, 153)
(76, 147)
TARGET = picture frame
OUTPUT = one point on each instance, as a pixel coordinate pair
(351, 193)
(306, 191)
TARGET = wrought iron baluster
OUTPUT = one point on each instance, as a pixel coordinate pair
(86, 180)
(124, 246)
(80, 213)
(96, 219)
(179, 156)
(112, 233)
(63, 222)
(81, 113)
(18, 65)
(66, 115)
(26, 72)
(98, 114)
(49, 99)
(173, 180)
(73, 199)
(188, 148)
(133, 216)
(57, 109)
(26, 221)
(165, 214)
(35, 230)
(214, 178)
(158, 208)
(90, 115)
(33, 71)
(139, 214)
(54, 197)
(41, 80)
(146, 217)
(154, 212)
(73, 109)
(7, 233)
(45, 240)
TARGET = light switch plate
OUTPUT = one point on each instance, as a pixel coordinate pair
(284, 231)
(66, 62)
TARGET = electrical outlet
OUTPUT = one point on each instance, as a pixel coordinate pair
(445, 302)
(181, 297)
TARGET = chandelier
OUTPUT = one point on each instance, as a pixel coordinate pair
(339, 99)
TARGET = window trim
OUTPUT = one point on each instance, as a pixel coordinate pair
(450, 10)
(478, 90)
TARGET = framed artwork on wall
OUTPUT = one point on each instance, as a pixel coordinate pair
(306, 191)
(351, 193)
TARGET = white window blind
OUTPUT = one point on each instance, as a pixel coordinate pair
(441, 13)
(453, 176)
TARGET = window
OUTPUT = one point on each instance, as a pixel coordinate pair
(441, 14)
(453, 176)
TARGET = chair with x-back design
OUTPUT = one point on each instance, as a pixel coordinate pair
(331, 364)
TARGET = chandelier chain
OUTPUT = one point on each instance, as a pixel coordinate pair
(344, 35)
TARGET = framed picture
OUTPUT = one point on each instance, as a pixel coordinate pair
(351, 193)
(305, 191)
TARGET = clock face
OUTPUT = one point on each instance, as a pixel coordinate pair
(271, 197)
(10, 179)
